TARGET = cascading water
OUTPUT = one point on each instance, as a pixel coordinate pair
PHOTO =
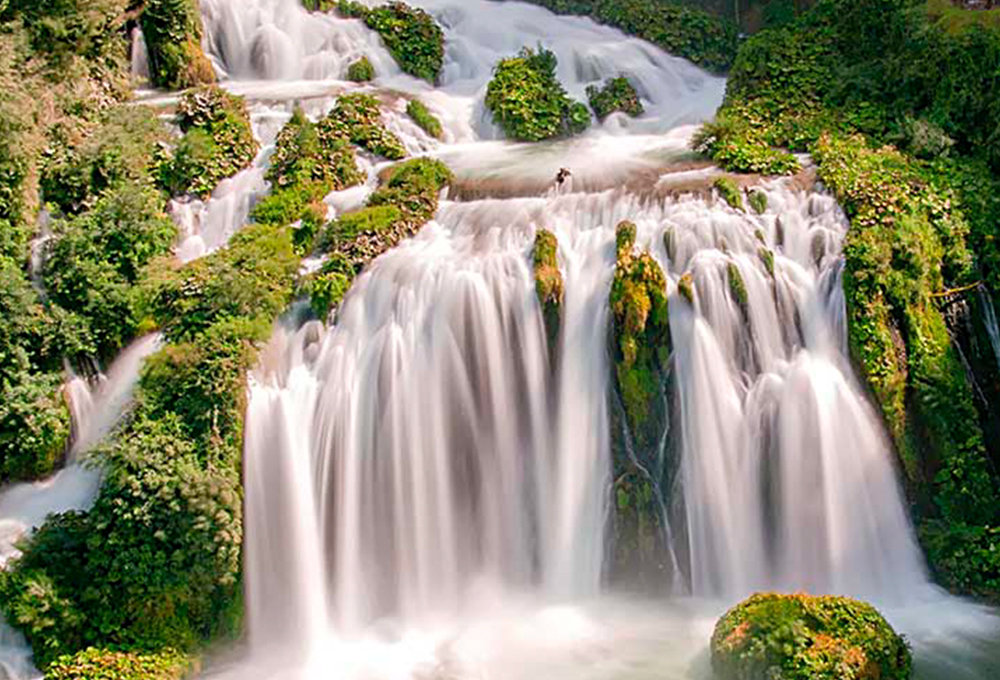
(990, 318)
(427, 496)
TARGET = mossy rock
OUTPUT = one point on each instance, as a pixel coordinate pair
(361, 71)
(172, 29)
(801, 637)
(411, 35)
(358, 119)
(729, 192)
(738, 288)
(639, 556)
(685, 286)
(548, 284)
(529, 103)
(218, 141)
(617, 94)
(422, 116)
(758, 201)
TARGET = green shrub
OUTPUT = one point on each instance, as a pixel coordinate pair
(799, 637)
(617, 94)
(105, 664)
(965, 557)
(97, 256)
(34, 426)
(529, 103)
(758, 201)
(422, 116)
(61, 28)
(172, 29)
(356, 118)
(124, 147)
(361, 71)
(328, 287)
(218, 142)
(412, 36)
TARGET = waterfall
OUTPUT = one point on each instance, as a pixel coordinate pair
(990, 318)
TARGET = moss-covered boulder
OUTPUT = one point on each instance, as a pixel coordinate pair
(172, 29)
(358, 119)
(729, 192)
(421, 115)
(361, 71)
(104, 664)
(411, 35)
(218, 141)
(617, 94)
(548, 284)
(529, 103)
(800, 637)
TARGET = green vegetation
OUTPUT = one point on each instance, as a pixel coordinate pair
(548, 284)
(309, 162)
(103, 664)
(218, 141)
(641, 331)
(691, 33)
(412, 36)
(617, 94)
(528, 101)
(422, 116)
(34, 427)
(758, 201)
(172, 29)
(888, 98)
(738, 287)
(729, 192)
(357, 119)
(361, 71)
(799, 637)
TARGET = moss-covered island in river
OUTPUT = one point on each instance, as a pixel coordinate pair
(529, 103)
(617, 94)
(412, 36)
(172, 29)
(800, 637)
(880, 94)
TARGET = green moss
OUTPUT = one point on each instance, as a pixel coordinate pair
(356, 118)
(617, 94)
(758, 201)
(737, 287)
(766, 256)
(548, 283)
(104, 664)
(361, 71)
(729, 192)
(641, 329)
(411, 35)
(172, 29)
(327, 288)
(799, 637)
(422, 116)
(528, 102)
(685, 286)
(218, 142)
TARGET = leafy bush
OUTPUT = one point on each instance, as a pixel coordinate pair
(548, 283)
(34, 426)
(529, 103)
(218, 141)
(617, 94)
(412, 36)
(96, 257)
(104, 664)
(356, 118)
(328, 287)
(61, 28)
(172, 29)
(361, 71)
(422, 116)
(799, 637)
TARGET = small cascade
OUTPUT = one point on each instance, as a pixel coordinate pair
(139, 57)
(990, 319)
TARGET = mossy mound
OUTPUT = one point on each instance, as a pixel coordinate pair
(361, 71)
(800, 637)
(412, 36)
(34, 427)
(422, 116)
(617, 94)
(357, 119)
(218, 141)
(548, 284)
(729, 192)
(172, 29)
(103, 664)
(529, 103)
(641, 329)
